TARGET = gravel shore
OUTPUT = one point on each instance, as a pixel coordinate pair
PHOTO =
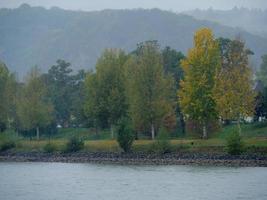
(139, 158)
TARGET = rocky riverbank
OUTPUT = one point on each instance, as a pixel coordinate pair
(139, 158)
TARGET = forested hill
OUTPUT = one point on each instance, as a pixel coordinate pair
(252, 20)
(34, 35)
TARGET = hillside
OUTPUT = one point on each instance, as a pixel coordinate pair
(34, 35)
(251, 20)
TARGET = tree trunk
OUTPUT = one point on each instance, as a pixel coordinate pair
(205, 135)
(239, 127)
(37, 133)
(112, 132)
(136, 135)
(182, 122)
(152, 132)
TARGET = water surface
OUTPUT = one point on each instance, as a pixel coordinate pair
(62, 181)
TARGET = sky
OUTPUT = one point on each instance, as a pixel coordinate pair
(173, 5)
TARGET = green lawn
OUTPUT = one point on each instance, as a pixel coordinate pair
(255, 137)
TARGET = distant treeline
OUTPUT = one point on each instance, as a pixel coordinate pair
(152, 88)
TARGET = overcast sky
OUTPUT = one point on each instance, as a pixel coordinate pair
(174, 5)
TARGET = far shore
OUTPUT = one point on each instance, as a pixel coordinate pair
(199, 159)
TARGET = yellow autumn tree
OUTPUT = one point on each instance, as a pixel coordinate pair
(234, 93)
(200, 67)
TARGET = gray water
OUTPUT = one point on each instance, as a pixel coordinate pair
(62, 181)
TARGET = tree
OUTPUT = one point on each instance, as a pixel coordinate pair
(78, 98)
(150, 91)
(60, 89)
(125, 136)
(261, 90)
(234, 93)
(172, 66)
(200, 67)
(7, 96)
(34, 110)
(105, 100)
(3, 81)
(260, 101)
(262, 74)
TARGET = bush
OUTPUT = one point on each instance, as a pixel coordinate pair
(125, 136)
(6, 145)
(49, 148)
(74, 144)
(234, 144)
(162, 144)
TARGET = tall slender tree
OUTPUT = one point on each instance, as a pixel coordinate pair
(105, 90)
(150, 90)
(200, 67)
(7, 96)
(34, 110)
(234, 86)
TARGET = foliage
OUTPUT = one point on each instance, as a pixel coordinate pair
(105, 101)
(6, 145)
(74, 144)
(172, 66)
(261, 89)
(194, 128)
(234, 143)
(200, 67)
(234, 93)
(260, 102)
(49, 148)
(162, 144)
(34, 111)
(125, 136)
(64, 89)
(7, 96)
(150, 91)
(262, 74)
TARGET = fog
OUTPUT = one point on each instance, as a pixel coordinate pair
(174, 5)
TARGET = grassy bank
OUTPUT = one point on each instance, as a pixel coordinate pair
(255, 139)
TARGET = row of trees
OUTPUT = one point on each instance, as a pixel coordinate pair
(214, 83)
(153, 88)
(141, 86)
(42, 101)
(218, 81)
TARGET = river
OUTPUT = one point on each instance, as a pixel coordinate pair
(64, 181)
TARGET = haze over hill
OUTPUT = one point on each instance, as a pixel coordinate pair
(35, 35)
(252, 20)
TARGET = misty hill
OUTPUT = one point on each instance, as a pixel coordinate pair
(251, 20)
(34, 35)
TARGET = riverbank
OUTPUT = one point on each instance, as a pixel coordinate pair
(139, 158)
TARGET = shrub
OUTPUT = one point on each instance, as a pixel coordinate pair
(234, 144)
(74, 144)
(162, 144)
(49, 148)
(125, 136)
(6, 145)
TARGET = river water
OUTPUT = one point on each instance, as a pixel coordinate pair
(62, 181)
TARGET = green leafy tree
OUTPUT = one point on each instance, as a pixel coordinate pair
(7, 96)
(150, 91)
(234, 93)
(60, 89)
(262, 74)
(34, 110)
(200, 67)
(125, 136)
(105, 101)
